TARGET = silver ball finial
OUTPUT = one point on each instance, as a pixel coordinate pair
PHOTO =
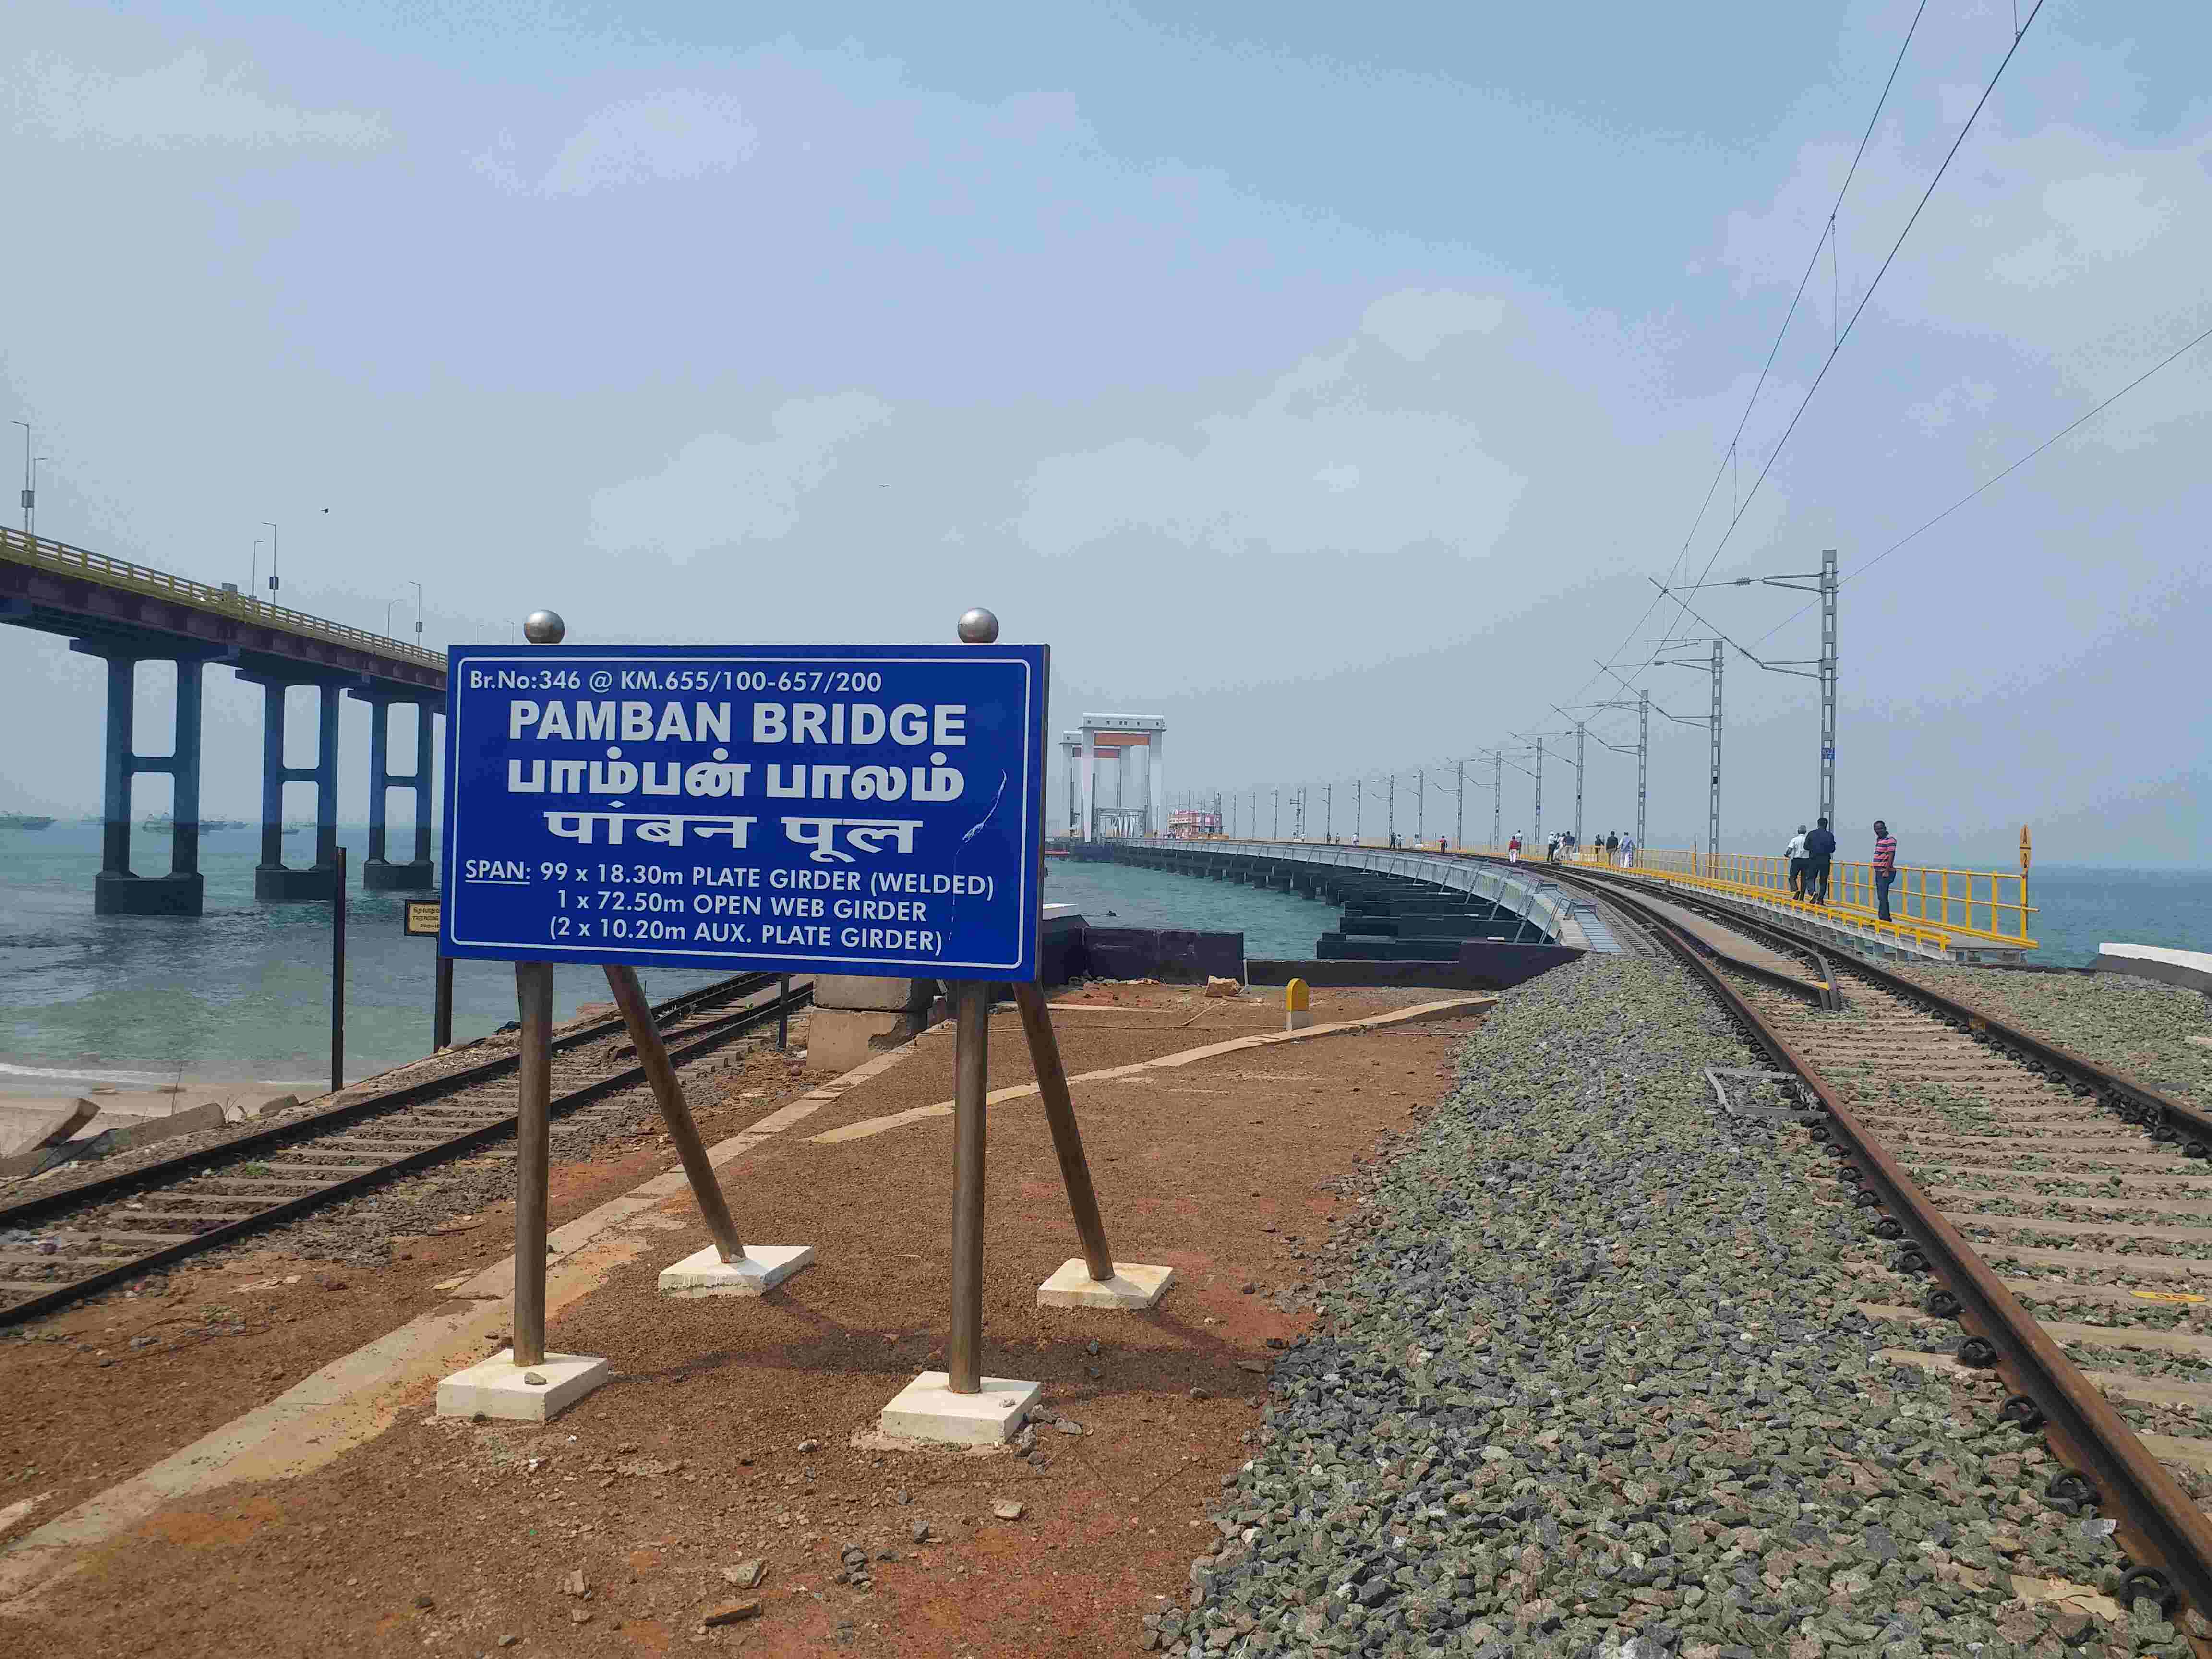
(978, 627)
(544, 627)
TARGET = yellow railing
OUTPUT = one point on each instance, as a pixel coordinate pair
(1927, 904)
(142, 578)
(1988, 904)
(1861, 920)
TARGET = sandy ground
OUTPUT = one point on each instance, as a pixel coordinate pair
(730, 1430)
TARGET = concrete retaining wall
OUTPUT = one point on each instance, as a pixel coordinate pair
(2191, 969)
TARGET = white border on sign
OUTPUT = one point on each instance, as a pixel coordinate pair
(545, 951)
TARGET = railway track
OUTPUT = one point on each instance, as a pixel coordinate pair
(2061, 1213)
(72, 1243)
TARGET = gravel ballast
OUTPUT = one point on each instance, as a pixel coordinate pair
(1591, 1382)
(2136, 1027)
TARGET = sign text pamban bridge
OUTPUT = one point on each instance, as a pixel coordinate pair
(861, 810)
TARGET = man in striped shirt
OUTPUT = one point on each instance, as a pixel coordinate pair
(1884, 866)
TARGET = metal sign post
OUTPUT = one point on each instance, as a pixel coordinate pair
(418, 918)
(961, 1404)
(533, 1160)
(337, 972)
(872, 811)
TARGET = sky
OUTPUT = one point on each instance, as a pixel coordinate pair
(1333, 382)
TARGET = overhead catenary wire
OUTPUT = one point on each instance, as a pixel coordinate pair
(1995, 479)
(1745, 498)
(1867, 298)
(1728, 457)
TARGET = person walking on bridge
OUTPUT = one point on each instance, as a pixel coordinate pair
(1613, 847)
(1795, 853)
(1513, 849)
(1819, 852)
(1884, 866)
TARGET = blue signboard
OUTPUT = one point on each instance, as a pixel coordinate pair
(852, 809)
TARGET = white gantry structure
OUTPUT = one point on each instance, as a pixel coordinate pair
(1131, 743)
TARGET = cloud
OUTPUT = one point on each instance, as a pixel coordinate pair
(1416, 321)
(674, 135)
(1933, 415)
(1337, 457)
(719, 489)
(2096, 217)
(2058, 243)
(176, 104)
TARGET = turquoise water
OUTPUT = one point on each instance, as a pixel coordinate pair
(1122, 896)
(2079, 907)
(241, 994)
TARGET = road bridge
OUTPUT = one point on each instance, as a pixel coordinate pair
(127, 614)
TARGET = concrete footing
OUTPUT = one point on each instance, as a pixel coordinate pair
(1136, 1284)
(384, 875)
(500, 1388)
(277, 883)
(763, 1267)
(926, 1409)
(147, 896)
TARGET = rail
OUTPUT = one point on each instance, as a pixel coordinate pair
(46, 554)
(2161, 1526)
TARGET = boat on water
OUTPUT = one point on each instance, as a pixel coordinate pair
(24, 821)
(167, 821)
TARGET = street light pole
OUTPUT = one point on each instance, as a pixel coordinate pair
(1643, 758)
(417, 587)
(273, 583)
(1581, 732)
(1823, 583)
(1713, 724)
(1828, 585)
(1329, 810)
(30, 492)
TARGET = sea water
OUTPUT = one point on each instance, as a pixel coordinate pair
(241, 994)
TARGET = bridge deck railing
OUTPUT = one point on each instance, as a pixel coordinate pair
(142, 578)
(1523, 891)
(1929, 902)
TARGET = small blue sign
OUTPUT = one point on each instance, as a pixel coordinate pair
(870, 809)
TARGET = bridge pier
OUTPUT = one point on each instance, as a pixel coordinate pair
(275, 881)
(378, 873)
(116, 890)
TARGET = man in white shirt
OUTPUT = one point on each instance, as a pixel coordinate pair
(1797, 857)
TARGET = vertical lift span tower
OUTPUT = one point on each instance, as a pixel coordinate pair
(1132, 743)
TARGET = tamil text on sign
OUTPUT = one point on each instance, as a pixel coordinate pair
(863, 810)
